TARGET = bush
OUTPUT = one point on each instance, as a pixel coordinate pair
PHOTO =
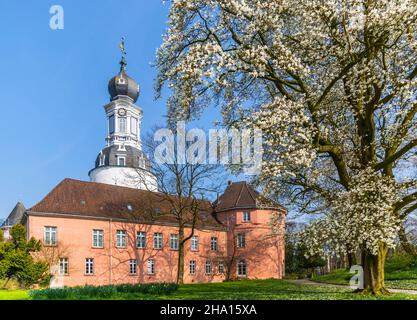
(400, 261)
(103, 292)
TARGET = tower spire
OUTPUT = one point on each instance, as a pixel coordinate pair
(122, 62)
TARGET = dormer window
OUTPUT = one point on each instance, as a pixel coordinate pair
(121, 161)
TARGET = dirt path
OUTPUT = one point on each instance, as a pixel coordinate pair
(313, 283)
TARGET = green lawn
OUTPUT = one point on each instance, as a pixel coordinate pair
(400, 273)
(251, 289)
(395, 279)
(14, 295)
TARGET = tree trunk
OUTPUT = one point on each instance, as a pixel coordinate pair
(373, 268)
(6, 282)
(351, 257)
(180, 266)
(405, 244)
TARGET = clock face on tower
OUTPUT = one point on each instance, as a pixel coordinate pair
(122, 112)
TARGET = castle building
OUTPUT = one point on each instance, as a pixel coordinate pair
(100, 232)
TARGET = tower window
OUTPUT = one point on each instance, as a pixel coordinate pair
(122, 125)
(241, 240)
(213, 243)
(246, 216)
(134, 125)
(121, 161)
(111, 124)
(102, 159)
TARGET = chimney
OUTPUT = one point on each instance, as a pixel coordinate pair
(229, 182)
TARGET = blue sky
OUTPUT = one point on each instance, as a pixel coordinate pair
(54, 86)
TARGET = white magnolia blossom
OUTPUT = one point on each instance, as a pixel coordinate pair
(331, 83)
(362, 217)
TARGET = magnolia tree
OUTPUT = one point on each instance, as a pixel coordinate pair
(332, 84)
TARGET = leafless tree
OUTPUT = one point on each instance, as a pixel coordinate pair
(183, 190)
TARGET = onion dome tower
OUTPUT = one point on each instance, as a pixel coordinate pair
(122, 162)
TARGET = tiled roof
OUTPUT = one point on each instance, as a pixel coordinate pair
(16, 215)
(242, 195)
(98, 200)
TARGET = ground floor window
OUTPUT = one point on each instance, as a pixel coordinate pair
(221, 267)
(208, 267)
(133, 266)
(89, 266)
(192, 267)
(241, 268)
(63, 266)
(151, 266)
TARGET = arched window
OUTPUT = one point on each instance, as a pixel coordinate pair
(241, 268)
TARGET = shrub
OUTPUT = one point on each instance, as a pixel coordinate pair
(400, 261)
(103, 292)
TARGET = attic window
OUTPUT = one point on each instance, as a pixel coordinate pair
(82, 202)
(129, 207)
(157, 210)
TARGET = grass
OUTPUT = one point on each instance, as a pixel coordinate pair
(400, 273)
(14, 295)
(246, 289)
(103, 292)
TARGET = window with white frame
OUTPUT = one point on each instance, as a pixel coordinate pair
(192, 266)
(89, 266)
(151, 266)
(194, 243)
(174, 241)
(133, 266)
(157, 240)
(122, 124)
(63, 266)
(241, 268)
(111, 124)
(49, 236)
(241, 240)
(209, 267)
(121, 161)
(98, 238)
(246, 216)
(121, 238)
(102, 159)
(141, 240)
(133, 125)
(221, 267)
(213, 243)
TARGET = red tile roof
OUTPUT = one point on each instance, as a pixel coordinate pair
(240, 195)
(98, 200)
